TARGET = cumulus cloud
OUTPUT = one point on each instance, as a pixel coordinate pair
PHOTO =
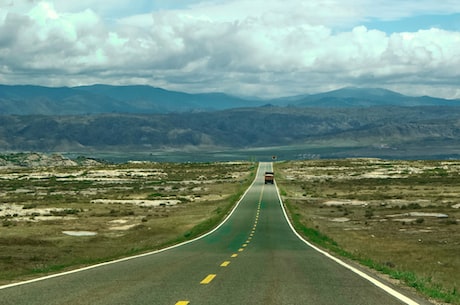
(264, 48)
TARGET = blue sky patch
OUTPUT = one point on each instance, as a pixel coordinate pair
(416, 23)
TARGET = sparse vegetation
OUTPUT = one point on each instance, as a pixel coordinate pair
(397, 217)
(124, 209)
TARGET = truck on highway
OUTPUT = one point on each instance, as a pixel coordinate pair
(269, 177)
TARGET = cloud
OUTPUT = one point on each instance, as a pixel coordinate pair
(264, 48)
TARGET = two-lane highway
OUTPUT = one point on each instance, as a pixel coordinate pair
(253, 258)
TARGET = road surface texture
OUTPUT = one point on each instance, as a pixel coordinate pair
(252, 258)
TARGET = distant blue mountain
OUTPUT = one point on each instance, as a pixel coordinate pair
(27, 99)
(367, 97)
(147, 99)
(96, 99)
(24, 100)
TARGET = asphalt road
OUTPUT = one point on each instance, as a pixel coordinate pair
(253, 258)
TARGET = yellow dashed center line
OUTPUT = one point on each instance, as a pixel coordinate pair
(208, 279)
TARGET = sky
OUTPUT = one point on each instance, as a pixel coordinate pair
(264, 48)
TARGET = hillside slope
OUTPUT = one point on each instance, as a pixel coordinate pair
(236, 128)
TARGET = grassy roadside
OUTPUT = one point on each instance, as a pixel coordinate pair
(422, 285)
(215, 219)
(412, 246)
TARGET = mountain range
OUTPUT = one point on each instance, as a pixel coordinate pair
(97, 99)
(342, 123)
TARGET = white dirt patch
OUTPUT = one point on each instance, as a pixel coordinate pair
(355, 229)
(405, 220)
(210, 197)
(48, 218)
(22, 191)
(124, 174)
(19, 213)
(420, 214)
(118, 221)
(382, 174)
(340, 219)
(416, 231)
(139, 202)
(122, 224)
(398, 172)
(123, 228)
(402, 202)
(396, 217)
(79, 233)
(456, 206)
(346, 202)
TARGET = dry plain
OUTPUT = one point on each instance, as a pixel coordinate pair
(399, 217)
(60, 217)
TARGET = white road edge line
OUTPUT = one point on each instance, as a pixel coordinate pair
(139, 255)
(374, 281)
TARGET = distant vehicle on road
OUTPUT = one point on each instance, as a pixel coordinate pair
(269, 177)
